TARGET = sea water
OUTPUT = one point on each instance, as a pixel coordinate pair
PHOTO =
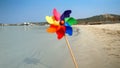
(32, 47)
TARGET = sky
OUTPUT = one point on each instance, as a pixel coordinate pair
(19, 11)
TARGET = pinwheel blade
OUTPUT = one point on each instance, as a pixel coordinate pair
(56, 14)
(67, 24)
(52, 29)
(65, 14)
(69, 30)
(60, 32)
(71, 21)
(51, 20)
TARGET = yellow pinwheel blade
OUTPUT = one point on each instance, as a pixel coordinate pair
(51, 20)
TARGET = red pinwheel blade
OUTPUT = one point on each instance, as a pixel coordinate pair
(56, 14)
(69, 30)
(52, 29)
(60, 32)
(65, 14)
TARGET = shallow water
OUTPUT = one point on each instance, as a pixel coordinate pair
(32, 47)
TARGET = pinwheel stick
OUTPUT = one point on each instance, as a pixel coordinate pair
(71, 52)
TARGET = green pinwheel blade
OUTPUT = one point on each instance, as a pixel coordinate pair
(71, 21)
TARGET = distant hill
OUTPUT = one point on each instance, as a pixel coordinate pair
(100, 19)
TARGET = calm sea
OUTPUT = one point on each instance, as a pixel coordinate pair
(32, 47)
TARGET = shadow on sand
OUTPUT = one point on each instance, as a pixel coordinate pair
(35, 61)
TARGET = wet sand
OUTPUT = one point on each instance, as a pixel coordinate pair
(97, 46)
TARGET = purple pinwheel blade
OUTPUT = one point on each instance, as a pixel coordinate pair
(69, 30)
(65, 14)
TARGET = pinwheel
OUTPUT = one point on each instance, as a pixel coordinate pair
(61, 24)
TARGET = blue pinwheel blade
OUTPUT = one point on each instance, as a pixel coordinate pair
(69, 30)
(67, 24)
(65, 14)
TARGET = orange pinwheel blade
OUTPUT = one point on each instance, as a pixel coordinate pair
(52, 29)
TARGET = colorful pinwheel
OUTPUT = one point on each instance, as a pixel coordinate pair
(60, 24)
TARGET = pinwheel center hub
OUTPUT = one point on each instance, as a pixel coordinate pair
(62, 22)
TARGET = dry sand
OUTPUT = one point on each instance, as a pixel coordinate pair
(98, 46)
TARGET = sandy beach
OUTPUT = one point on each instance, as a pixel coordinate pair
(97, 46)
(94, 46)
